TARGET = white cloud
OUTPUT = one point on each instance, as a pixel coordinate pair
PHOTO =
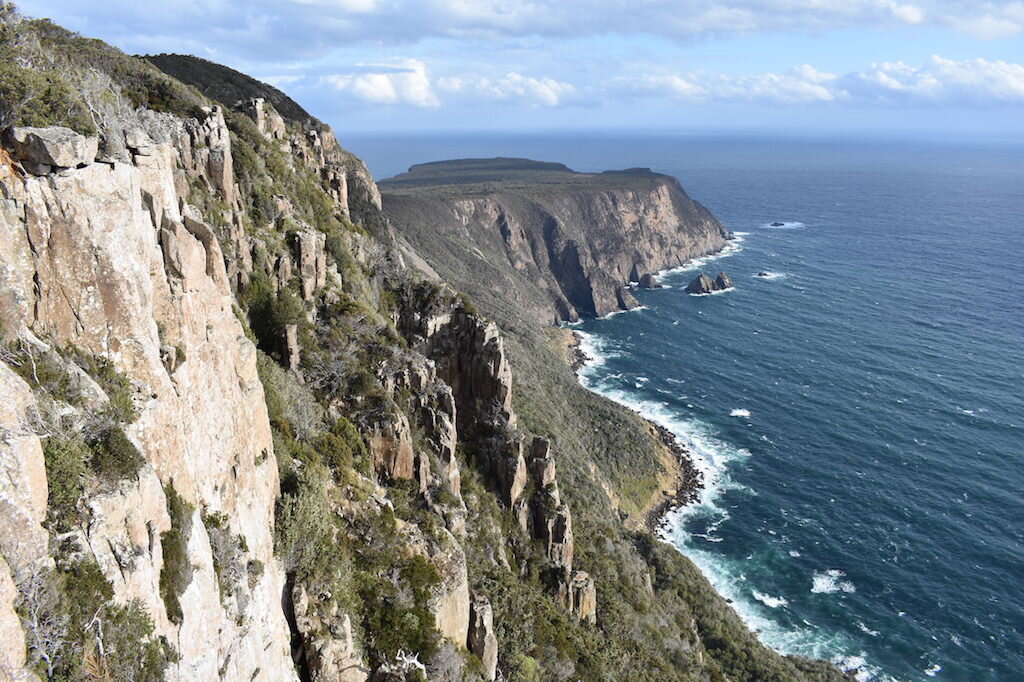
(937, 81)
(400, 81)
(276, 30)
(513, 86)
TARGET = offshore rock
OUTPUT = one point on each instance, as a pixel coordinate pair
(701, 284)
(722, 282)
(648, 281)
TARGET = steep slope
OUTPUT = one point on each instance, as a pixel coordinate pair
(242, 441)
(562, 243)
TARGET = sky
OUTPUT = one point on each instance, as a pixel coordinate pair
(946, 68)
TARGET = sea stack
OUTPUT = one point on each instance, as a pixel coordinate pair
(648, 281)
(702, 284)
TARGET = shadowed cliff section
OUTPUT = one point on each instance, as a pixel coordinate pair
(539, 235)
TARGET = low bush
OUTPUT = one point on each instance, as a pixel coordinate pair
(176, 573)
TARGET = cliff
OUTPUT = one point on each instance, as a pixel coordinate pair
(242, 440)
(562, 243)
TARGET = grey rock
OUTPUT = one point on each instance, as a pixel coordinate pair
(60, 147)
(701, 284)
(722, 282)
(648, 281)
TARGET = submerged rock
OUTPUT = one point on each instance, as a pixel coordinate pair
(764, 274)
(778, 224)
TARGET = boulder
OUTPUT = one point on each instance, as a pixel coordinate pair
(481, 640)
(701, 284)
(648, 281)
(722, 282)
(41, 149)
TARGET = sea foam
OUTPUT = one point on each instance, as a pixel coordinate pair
(830, 582)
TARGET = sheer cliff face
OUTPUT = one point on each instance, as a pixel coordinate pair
(564, 244)
(109, 259)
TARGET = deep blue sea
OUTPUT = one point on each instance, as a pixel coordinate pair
(859, 414)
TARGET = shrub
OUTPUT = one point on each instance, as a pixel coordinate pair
(114, 457)
(67, 462)
(176, 573)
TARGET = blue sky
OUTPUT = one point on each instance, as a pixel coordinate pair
(937, 67)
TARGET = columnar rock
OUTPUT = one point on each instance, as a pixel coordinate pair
(266, 118)
(391, 448)
(311, 255)
(290, 349)
(482, 641)
(579, 596)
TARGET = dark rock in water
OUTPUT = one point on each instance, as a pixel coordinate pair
(702, 284)
(778, 224)
(648, 281)
(764, 274)
(730, 236)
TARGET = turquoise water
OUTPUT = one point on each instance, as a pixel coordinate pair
(859, 414)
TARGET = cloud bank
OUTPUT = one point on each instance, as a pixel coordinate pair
(276, 30)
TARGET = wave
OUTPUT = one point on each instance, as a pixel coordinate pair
(739, 412)
(830, 582)
(694, 264)
(770, 602)
(715, 293)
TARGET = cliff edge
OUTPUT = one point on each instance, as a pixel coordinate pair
(563, 244)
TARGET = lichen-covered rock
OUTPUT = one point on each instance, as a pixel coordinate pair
(482, 641)
(43, 149)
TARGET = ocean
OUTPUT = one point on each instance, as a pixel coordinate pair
(858, 413)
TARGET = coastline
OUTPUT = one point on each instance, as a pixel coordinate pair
(682, 482)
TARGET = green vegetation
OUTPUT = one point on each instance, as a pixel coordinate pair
(76, 631)
(176, 573)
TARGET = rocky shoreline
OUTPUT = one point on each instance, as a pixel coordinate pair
(688, 479)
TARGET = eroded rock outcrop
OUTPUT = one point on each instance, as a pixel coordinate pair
(482, 640)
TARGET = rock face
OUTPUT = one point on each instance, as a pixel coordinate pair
(103, 257)
(702, 284)
(42, 150)
(562, 244)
